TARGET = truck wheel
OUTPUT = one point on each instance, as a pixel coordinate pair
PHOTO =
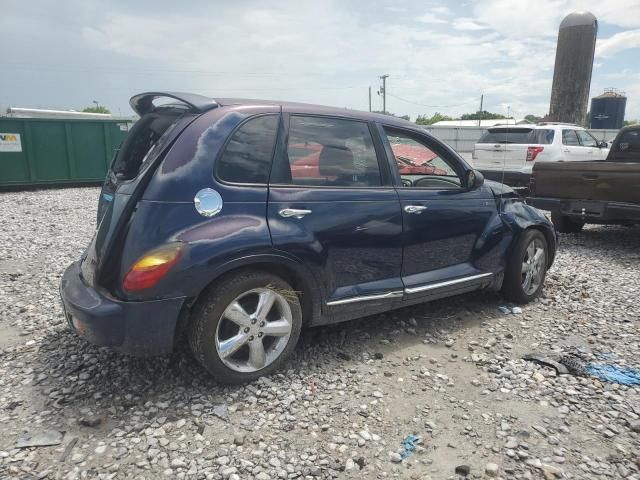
(245, 327)
(527, 268)
(565, 224)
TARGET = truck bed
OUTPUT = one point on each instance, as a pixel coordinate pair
(592, 180)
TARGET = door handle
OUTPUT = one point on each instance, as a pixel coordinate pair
(417, 209)
(567, 150)
(293, 212)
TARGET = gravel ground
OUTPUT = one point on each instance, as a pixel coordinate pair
(449, 372)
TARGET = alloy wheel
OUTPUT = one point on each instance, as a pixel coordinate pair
(254, 330)
(533, 266)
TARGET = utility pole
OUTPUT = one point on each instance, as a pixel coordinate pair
(383, 91)
(369, 97)
(481, 100)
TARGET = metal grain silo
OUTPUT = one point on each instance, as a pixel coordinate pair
(572, 73)
(607, 110)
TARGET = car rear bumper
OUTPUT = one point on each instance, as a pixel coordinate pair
(137, 328)
(589, 211)
(508, 177)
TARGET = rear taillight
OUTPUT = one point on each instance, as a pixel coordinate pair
(151, 268)
(532, 153)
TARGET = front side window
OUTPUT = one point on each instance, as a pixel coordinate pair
(247, 156)
(329, 152)
(586, 139)
(570, 138)
(419, 164)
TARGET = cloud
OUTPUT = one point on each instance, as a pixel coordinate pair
(467, 24)
(608, 47)
(321, 52)
(431, 18)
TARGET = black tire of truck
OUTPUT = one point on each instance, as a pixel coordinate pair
(565, 224)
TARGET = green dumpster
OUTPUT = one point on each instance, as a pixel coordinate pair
(42, 151)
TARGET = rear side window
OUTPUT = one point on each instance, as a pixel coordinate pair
(506, 135)
(247, 156)
(542, 136)
(328, 152)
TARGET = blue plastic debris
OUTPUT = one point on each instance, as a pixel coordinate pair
(614, 373)
(504, 309)
(409, 446)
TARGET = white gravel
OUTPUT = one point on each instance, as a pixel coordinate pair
(449, 372)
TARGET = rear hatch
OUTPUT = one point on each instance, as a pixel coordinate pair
(594, 180)
(510, 148)
(130, 171)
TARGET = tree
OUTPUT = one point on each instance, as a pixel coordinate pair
(405, 117)
(96, 109)
(482, 115)
(436, 117)
(630, 122)
(532, 118)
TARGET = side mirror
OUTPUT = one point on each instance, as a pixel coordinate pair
(475, 179)
(603, 144)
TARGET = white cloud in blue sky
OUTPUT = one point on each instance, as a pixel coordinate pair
(441, 56)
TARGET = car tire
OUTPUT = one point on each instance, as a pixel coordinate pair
(229, 355)
(565, 224)
(523, 283)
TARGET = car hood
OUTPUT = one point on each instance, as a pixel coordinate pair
(500, 190)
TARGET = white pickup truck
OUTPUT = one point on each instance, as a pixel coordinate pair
(507, 153)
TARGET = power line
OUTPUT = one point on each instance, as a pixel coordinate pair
(430, 106)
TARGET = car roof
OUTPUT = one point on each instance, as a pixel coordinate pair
(317, 109)
(536, 126)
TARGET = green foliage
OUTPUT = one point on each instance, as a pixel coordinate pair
(482, 115)
(405, 117)
(630, 122)
(436, 117)
(96, 109)
(532, 118)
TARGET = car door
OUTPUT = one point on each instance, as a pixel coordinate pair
(445, 245)
(332, 205)
(589, 145)
(572, 149)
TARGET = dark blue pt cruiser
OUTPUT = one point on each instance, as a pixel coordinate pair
(238, 222)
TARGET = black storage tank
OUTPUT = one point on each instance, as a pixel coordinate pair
(607, 110)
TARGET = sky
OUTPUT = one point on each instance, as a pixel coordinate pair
(440, 56)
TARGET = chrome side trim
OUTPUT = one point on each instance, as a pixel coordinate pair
(366, 298)
(432, 286)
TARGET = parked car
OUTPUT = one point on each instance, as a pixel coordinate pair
(509, 153)
(601, 191)
(204, 229)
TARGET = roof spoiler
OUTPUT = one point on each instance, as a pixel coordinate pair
(143, 102)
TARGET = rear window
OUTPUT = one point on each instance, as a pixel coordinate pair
(540, 136)
(247, 156)
(144, 137)
(630, 142)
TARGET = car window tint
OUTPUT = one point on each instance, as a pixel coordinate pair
(506, 135)
(247, 156)
(569, 137)
(325, 151)
(586, 139)
(419, 164)
(542, 136)
(629, 141)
